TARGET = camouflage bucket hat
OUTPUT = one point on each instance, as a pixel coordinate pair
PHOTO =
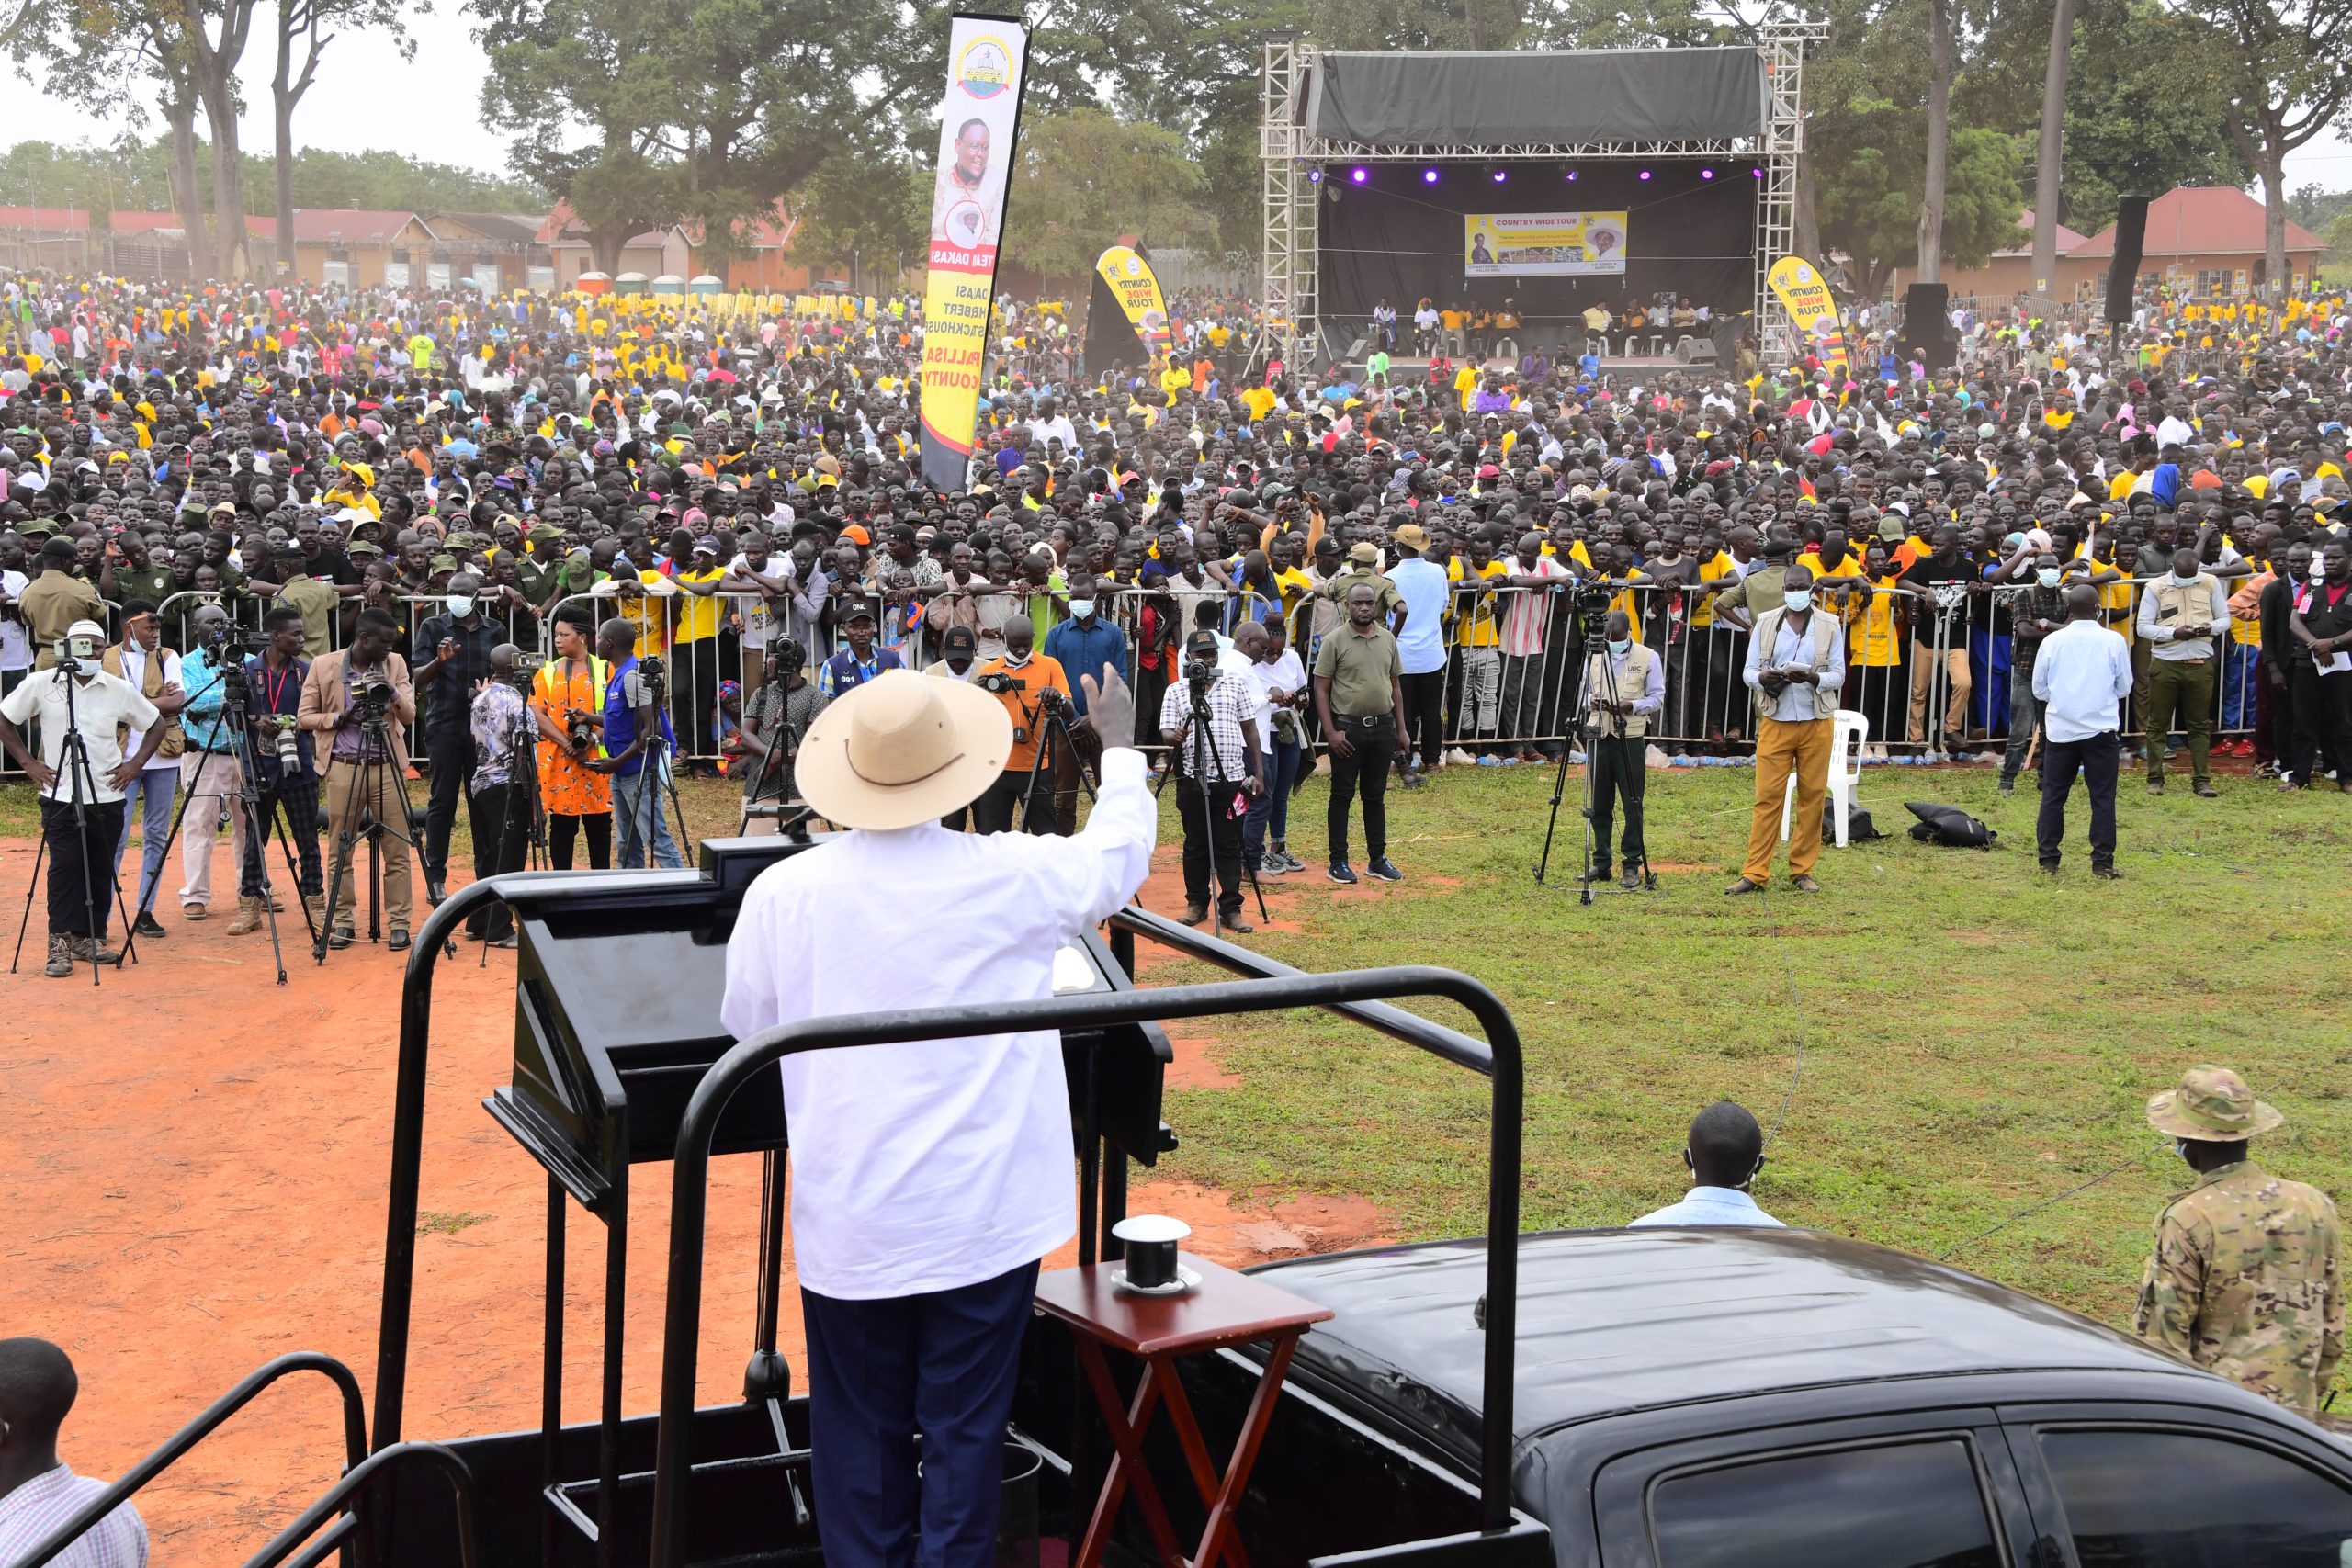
(2213, 1105)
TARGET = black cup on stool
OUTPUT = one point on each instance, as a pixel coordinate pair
(1151, 1249)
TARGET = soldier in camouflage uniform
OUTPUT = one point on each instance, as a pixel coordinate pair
(2243, 1279)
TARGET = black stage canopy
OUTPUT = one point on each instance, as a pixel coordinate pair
(1400, 236)
(1503, 98)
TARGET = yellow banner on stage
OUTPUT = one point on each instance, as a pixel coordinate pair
(1137, 289)
(1805, 292)
(985, 56)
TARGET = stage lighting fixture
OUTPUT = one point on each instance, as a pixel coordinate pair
(1645, 173)
(1314, 176)
(1572, 174)
(1706, 173)
(1429, 177)
(1501, 175)
(1758, 170)
(1359, 173)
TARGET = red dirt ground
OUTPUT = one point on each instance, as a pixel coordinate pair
(194, 1176)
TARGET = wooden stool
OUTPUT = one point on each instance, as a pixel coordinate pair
(1224, 1310)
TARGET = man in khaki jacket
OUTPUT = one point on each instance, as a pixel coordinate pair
(351, 757)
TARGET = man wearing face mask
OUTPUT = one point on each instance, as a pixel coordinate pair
(2033, 616)
(1085, 641)
(1624, 689)
(1031, 685)
(452, 658)
(1796, 666)
(2181, 615)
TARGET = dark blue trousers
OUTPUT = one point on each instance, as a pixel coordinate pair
(2096, 759)
(943, 1364)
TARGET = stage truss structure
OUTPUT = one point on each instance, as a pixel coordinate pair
(1292, 157)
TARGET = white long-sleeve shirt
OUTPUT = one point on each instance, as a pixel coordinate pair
(2082, 672)
(933, 1164)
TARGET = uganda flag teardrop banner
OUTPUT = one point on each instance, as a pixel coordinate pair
(977, 121)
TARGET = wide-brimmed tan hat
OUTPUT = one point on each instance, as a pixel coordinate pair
(2211, 1105)
(900, 750)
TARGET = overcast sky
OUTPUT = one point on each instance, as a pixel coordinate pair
(366, 96)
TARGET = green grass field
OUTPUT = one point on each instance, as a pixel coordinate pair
(1976, 1037)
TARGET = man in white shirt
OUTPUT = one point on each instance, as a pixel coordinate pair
(1050, 426)
(929, 1179)
(1279, 679)
(2082, 673)
(142, 660)
(1420, 643)
(1723, 1153)
(81, 808)
(38, 1492)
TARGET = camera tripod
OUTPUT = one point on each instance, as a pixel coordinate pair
(235, 708)
(1054, 722)
(74, 769)
(375, 768)
(766, 797)
(1203, 753)
(658, 750)
(1591, 733)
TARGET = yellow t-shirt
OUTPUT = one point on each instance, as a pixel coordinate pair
(695, 615)
(1475, 624)
(1257, 400)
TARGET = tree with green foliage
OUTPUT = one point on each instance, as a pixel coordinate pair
(1082, 177)
(305, 27)
(2279, 66)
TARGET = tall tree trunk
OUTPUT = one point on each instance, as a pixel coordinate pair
(2049, 169)
(284, 109)
(2273, 169)
(605, 250)
(188, 197)
(232, 260)
(1932, 205)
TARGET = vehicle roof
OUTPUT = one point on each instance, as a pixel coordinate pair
(1622, 1320)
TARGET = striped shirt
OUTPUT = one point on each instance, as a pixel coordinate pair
(34, 1510)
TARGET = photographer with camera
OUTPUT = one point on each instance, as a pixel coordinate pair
(285, 772)
(361, 696)
(81, 774)
(1034, 691)
(210, 779)
(776, 716)
(141, 659)
(638, 743)
(566, 695)
(1624, 690)
(1204, 719)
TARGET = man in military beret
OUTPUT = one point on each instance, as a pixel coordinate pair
(2243, 1279)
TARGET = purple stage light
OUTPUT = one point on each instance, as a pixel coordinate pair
(1706, 173)
(1314, 176)
(1572, 174)
(1501, 176)
(1359, 173)
(1645, 173)
(1758, 173)
(1429, 177)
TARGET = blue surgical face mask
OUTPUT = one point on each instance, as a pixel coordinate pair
(461, 605)
(1618, 645)
(1081, 608)
(1798, 600)
(2047, 576)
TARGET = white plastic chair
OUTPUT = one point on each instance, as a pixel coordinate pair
(1849, 731)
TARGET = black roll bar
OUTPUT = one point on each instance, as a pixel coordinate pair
(360, 1477)
(175, 1447)
(689, 1197)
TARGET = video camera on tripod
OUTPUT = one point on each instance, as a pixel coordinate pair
(1592, 598)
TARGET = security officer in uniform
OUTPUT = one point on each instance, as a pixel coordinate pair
(2243, 1280)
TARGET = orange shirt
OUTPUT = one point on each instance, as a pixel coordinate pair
(1040, 673)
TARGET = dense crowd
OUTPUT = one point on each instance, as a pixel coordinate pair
(744, 488)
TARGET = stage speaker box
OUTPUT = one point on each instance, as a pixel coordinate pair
(2131, 240)
(1696, 351)
(1927, 323)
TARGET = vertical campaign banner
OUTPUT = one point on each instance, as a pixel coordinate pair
(1806, 295)
(1137, 289)
(985, 56)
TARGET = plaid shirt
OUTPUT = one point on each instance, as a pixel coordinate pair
(33, 1510)
(1230, 701)
(499, 716)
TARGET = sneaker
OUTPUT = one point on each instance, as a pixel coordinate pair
(194, 912)
(1382, 869)
(1269, 864)
(147, 925)
(61, 957)
(1339, 871)
(1460, 758)
(1291, 863)
(2203, 790)
(87, 950)
(2155, 786)
(1632, 881)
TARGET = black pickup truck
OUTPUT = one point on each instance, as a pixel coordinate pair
(1702, 1398)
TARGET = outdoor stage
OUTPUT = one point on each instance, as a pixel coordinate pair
(1549, 180)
